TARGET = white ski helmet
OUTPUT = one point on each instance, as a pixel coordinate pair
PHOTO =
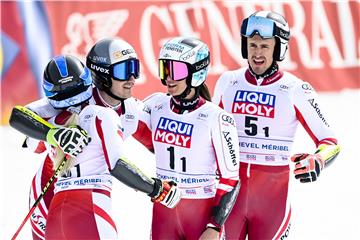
(189, 58)
(267, 24)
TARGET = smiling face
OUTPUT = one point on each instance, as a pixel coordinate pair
(260, 53)
(175, 88)
(123, 89)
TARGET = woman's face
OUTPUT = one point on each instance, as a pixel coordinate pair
(175, 88)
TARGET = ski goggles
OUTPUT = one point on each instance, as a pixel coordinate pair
(66, 102)
(120, 71)
(178, 70)
(51, 89)
(265, 27)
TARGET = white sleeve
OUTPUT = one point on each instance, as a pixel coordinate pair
(110, 131)
(130, 119)
(43, 108)
(220, 86)
(310, 113)
(148, 104)
(226, 144)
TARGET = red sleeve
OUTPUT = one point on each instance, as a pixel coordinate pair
(143, 135)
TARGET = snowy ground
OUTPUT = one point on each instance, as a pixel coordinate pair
(326, 209)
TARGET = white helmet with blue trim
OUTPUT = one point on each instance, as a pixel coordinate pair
(183, 51)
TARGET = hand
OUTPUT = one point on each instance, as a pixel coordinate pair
(71, 140)
(307, 167)
(168, 194)
(210, 234)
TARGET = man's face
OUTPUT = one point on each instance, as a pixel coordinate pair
(260, 53)
(123, 89)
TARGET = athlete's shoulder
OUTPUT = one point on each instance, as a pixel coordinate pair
(229, 77)
(218, 115)
(213, 109)
(291, 79)
(226, 80)
(157, 95)
(132, 104)
(131, 100)
(297, 84)
(156, 98)
(43, 108)
(98, 111)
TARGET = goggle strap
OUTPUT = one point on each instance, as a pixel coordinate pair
(201, 64)
(244, 26)
(281, 33)
(69, 93)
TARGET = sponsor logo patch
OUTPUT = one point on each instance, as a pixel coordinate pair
(99, 69)
(286, 233)
(190, 191)
(173, 132)
(39, 221)
(318, 111)
(229, 143)
(254, 103)
(119, 54)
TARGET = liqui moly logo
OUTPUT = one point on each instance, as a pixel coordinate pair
(254, 103)
(174, 132)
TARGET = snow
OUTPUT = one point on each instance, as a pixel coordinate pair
(326, 209)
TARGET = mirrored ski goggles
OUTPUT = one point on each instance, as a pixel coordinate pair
(120, 71)
(178, 70)
(174, 69)
(124, 70)
(265, 27)
(51, 89)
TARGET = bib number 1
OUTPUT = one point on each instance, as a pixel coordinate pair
(172, 159)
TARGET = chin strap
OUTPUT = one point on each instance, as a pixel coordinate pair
(181, 104)
(184, 94)
(108, 92)
(269, 72)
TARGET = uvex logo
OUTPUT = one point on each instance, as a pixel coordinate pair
(99, 69)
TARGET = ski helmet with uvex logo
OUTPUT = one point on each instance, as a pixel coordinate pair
(106, 54)
(191, 51)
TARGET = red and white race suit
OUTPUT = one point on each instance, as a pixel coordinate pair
(267, 113)
(189, 148)
(42, 107)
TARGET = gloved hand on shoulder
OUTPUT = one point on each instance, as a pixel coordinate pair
(71, 139)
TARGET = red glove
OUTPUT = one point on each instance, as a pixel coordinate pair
(168, 194)
(307, 167)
